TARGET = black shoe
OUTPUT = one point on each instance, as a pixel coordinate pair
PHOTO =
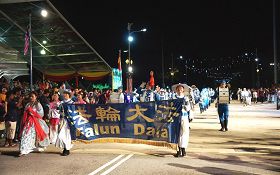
(226, 124)
(183, 152)
(67, 152)
(64, 153)
(222, 126)
(178, 154)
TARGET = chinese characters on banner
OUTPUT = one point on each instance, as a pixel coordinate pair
(158, 121)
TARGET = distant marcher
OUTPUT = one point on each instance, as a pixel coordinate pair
(222, 103)
(255, 96)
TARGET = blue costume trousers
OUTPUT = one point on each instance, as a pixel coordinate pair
(223, 112)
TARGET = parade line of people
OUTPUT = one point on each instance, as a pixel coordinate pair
(36, 119)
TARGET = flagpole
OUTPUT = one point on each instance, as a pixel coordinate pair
(120, 65)
(30, 48)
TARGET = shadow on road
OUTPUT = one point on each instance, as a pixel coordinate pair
(269, 164)
(210, 170)
(10, 153)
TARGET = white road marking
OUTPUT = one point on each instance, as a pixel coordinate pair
(105, 165)
(117, 164)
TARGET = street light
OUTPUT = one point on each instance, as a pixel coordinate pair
(129, 61)
(257, 70)
(44, 13)
(186, 65)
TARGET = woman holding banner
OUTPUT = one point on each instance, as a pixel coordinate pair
(64, 135)
(184, 121)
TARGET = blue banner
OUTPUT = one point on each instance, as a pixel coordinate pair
(158, 121)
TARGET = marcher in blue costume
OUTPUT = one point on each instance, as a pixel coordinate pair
(223, 99)
(184, 133)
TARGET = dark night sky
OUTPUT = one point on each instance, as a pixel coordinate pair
(195, 29)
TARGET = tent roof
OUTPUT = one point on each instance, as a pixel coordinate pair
(67, 52)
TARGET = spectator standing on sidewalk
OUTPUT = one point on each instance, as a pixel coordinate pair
(222, 104)
(11, 118)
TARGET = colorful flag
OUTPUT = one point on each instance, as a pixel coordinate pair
(26, 44)
(119, 61)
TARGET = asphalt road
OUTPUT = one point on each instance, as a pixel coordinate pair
(251, 146)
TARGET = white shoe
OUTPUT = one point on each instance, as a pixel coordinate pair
(41, 149)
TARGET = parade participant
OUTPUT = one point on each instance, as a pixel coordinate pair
(55, 113)
(64, 135)
(255, 96)
(148, 94)
(34, 130)
(157, 93)
(222, 103)
(184, 119)
(196, 94)
(162, 95)
(152, 80)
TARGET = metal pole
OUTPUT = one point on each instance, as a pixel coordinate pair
(129, 78)
(186, 71)
(257, 69)
(274, 43)
(30, 47)
(172, 75)
(128, 28)
(162, 63)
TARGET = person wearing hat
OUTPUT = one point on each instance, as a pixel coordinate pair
(223, 99)
(184, 119)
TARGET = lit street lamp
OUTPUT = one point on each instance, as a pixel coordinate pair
(129, 61)
(258, 71)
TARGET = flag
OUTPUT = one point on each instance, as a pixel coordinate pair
(119, 61)
(27, 38)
